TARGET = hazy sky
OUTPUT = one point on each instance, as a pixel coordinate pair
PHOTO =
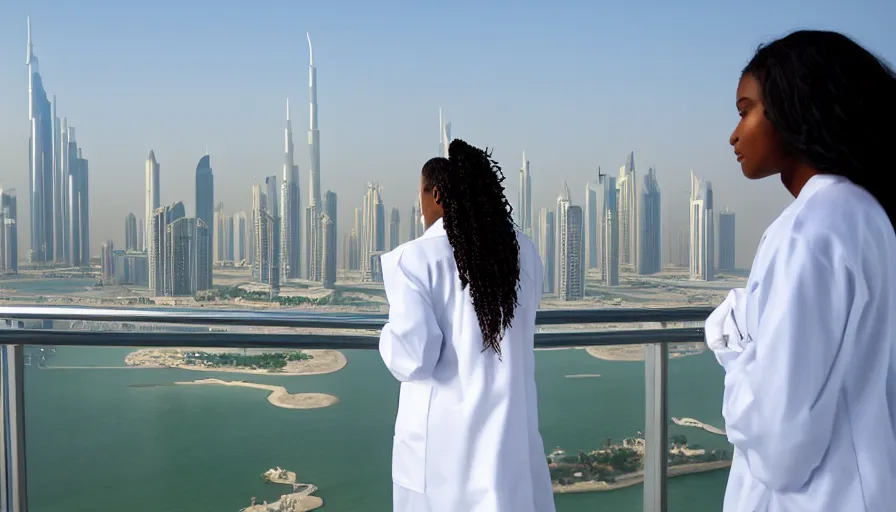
(576, 85)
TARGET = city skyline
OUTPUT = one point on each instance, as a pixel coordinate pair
(239, 156)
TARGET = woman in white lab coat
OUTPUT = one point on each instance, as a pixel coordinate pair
(460, 338)
(809, 347)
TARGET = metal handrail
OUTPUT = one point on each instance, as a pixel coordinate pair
(12, 453)
(304, 319)
(208, 339)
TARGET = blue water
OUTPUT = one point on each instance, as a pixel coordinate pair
(95, 442)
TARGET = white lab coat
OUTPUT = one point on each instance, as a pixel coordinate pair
(466, 433)
(810, 384)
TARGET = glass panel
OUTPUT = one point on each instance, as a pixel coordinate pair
(699, 454)
(586, 404)
(134, 438)
(140, 437)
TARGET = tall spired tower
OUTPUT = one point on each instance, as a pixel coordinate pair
(290, 213)
(524, 215)
(40, 161)
(314, 249)
(444, 136)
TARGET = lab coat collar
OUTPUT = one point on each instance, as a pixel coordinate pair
(815, 183)
(437, 229)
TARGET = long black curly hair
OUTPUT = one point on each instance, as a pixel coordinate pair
(833, 104)
(477, 219)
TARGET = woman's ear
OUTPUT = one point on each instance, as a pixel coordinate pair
(436, 195)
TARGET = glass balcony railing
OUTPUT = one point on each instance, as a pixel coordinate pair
(105, 409)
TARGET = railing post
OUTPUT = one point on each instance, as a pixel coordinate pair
(656, 451)
(13, 488)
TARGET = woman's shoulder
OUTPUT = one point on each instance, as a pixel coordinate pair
(844, 217)
(838, 225)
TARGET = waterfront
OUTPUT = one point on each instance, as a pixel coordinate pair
(197, 448)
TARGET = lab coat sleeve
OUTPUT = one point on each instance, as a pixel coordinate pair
(725, 327)
(411, 341)
(782, 392)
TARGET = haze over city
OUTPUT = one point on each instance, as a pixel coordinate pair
(576, 86)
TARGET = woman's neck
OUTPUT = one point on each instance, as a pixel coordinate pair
(795, 179)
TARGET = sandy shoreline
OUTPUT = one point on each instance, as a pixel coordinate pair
(636, 352)
(321, 362)
(278, 396)
(638, 477)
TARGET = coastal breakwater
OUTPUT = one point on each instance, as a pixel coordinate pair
(637, 477)
(691, 422)
(278, 396)
(636, 352)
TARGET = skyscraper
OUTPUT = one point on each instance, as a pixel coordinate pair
(9, 243)
(274, 231)
(63, 162)
(250, 237)
(570, 230)
(609, 228)
(328, 228)
(53, 162)
(394, 226)
(265, 211)
(205, 211)
(131, 268)
(130, 232)
(187, 247)
(228, 239)
(219, 237)
(331, 205)
(203, 244)
(251, 249)
(313, 212)
(628, 211)
(241, 237)
(261, 264)
(726, 240)
(650, 226)
(355, 239)
(524, 204)
(141, 235)
(152, 202)
(330, 239)
(107, 262)
(159, 250)
(546, 242)
(415, 228)
(373, 236)
(182, 256)
(444, 136)
(274, 235)
(79, 206)
(60, 193)
(701, 237)
(40, 161)
(290, 210)
(592, 226)
(313, 132)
